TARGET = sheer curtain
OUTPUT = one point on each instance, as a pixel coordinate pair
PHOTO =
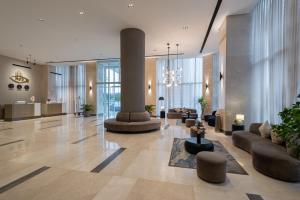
(79, 86)
(275, 58)
(68, 86)
(187, 93)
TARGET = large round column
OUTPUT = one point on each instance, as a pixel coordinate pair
(132, 87)
(132, 70)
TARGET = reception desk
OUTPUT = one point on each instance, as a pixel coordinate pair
(14, 112)
(52, 109)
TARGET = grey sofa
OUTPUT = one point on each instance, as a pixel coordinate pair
(268, 158)
(176, 113)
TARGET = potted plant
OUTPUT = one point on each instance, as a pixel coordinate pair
(150, 109)
(86, 108)
(203, 102)
(289, 129)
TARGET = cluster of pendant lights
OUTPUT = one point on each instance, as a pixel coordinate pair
(172, 76)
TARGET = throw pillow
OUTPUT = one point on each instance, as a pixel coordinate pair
(265, 130)
(276, 139)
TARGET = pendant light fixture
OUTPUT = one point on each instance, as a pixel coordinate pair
(168, 74)
(178, 71)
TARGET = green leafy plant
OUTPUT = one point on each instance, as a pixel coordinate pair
(289, 129)
(203, 102)
(150, 108)
(86, 108)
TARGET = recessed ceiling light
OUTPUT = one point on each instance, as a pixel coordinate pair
(185, 28)
(131, 4)
(81, 12)
(41, 19)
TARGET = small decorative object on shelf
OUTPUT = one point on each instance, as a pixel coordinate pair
(11, 86)
(32, 99)
(26, 87)
(19, 87)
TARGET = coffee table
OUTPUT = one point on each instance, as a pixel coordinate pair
(193, 147)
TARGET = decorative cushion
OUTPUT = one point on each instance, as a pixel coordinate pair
(276, 139)
(177, 109)
(265, 130)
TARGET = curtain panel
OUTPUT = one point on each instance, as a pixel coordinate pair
(69, 87)
(275, 58)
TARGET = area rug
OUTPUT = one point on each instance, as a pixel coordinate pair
(181, 158)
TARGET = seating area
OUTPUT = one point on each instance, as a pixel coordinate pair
(178, 113)
(267, 157)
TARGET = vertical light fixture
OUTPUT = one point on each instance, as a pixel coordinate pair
(149, 87)
(91, 87)
(168, 74)
(178, 71)
(206, 87)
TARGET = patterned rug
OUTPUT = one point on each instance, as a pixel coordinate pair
(181, 158)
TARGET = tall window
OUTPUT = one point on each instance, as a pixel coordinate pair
(187, 93)
(67, 86)
(108, 88)
(275, 57)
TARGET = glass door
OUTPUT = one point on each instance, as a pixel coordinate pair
(108, 88)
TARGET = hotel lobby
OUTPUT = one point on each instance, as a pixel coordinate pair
(157, 99)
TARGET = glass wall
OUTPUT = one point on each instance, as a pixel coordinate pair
(108, 88)
(187, 93)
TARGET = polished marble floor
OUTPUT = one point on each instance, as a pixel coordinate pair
(73, 147)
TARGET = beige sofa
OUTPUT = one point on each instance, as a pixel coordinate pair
(267, 158)
(176, 113)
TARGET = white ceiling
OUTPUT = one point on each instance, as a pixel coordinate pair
(67, 35)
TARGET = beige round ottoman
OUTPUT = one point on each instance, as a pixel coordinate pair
(190, 122)
(211, 167)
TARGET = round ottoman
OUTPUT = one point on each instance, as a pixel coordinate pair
(190, 122)
(211, 167)
(193, 131)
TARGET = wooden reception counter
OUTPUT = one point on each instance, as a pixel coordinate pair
(51, 109)
(14, 112)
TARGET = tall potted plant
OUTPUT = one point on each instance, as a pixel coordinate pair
(86, 108)
(150, 109)
(203, 102)
(289, 129)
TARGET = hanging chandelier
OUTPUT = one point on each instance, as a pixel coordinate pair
(172, 77)
(178, 71)
(168, 74)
